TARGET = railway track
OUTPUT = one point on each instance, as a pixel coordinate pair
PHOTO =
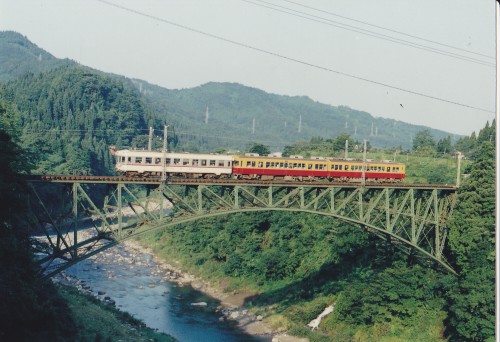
(227, 182)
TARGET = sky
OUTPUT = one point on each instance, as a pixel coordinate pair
(424, 62)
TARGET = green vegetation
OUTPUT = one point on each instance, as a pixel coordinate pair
(298, 264)
(32, 310)
(70, 116)
(472, 244)
(64, 119)
(19, 56)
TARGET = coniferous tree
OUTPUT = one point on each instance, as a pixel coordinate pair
(472, 244)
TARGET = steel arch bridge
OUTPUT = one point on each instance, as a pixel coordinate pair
(410, 216)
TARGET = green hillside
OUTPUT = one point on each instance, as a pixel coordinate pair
(232, 109)
(69, 116)
(19, 56)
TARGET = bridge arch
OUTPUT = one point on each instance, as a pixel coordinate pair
(413, 216)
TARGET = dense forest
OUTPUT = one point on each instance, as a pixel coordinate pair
(60, 117)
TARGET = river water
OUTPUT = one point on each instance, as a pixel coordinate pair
(140, 286)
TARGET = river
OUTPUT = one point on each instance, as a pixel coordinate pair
(136, 283)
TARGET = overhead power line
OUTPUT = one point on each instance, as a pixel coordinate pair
(390, 30)
(325, 21)
(291, 59)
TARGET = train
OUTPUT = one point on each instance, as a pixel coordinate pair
(144, 163)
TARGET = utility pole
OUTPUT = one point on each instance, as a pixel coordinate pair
(459, 158)
(363, 180)
(346, 148)
(150, 140)
(164, 176)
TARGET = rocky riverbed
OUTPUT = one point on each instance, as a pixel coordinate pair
(140, 275)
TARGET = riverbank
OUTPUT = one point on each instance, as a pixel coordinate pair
(100, 321)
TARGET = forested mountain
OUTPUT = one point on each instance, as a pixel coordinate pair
(237, 115)
(71, 115)
(19, 56)
(245, 115)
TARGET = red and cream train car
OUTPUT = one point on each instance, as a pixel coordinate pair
(252, 166)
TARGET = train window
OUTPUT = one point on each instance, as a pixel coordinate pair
(157, 160)
(303, 166)
(249, 163)
(388, 169)
(286, 165)
(294, 165)
(168, 161)
(352, 167)
(203, 162)
(316, 166)
(149, 160)
(236, 163)
(138, 160)
(268, 164)
(129, 159)
(281, 164)
(309, 166)
(177, 161)
(272, 164)
(253, 164)
(195, 162)
(185, 161)
(212, 163)
(221, 162)
(122, 159)
(261, 164)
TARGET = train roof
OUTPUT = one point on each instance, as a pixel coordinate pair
(170, 154)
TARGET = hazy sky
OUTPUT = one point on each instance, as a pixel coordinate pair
(424, 62)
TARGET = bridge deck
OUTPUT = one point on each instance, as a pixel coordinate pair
(227, 182)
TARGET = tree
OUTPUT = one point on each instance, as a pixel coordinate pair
(472, 244)
(30, 310)
(444, 145)
(339, 142)
(261, 149)
(424, 139)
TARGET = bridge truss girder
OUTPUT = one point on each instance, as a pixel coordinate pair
(412, 217)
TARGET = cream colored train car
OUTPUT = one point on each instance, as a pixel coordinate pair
(190, 165)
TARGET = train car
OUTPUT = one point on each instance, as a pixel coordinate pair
(189, 165)
(253, 166)
(297, 168)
